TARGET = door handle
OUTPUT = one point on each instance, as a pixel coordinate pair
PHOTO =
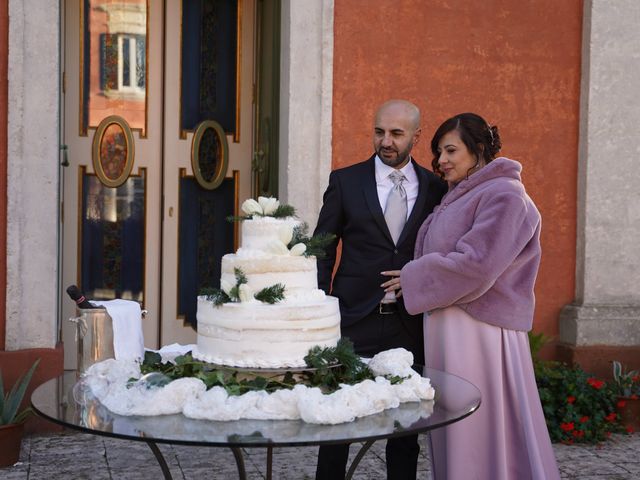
(258, 163)
(65, 158)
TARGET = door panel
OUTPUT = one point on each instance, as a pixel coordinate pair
(100, 54)
(132, 69)
(175, 327)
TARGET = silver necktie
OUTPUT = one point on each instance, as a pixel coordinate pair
(395, 212)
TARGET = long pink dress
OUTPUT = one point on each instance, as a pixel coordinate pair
(507, 438)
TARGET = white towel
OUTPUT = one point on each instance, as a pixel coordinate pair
(128, 341)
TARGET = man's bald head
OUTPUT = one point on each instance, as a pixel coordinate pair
(403, 107)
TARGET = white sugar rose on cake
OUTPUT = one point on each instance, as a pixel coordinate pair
(268, 312)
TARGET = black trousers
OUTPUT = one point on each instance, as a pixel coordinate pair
(373, 334)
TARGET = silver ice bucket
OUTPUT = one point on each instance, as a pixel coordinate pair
(94, 337)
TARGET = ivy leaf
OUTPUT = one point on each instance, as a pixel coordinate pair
(183, 359)
(151, 358)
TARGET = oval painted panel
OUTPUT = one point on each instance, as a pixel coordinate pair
(113, 152)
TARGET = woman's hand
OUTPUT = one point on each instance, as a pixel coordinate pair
(393, 284)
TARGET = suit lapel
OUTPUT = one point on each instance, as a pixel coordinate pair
(415, 215)
(371, 196)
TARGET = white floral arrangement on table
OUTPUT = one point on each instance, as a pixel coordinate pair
(120, 386)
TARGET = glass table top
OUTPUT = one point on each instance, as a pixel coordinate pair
(61, 401)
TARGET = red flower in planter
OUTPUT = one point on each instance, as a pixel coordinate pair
(567, 427)
(584, 419)
(611, 417)
(629, 429)
(621, 404)
(571, 399)
(595, 383)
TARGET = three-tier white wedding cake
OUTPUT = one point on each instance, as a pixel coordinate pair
(250, 333)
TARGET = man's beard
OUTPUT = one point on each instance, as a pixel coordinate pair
(399, 160)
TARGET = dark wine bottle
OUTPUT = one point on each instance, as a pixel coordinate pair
(78, 297)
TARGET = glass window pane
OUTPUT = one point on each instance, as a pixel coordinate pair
(113, 60)
(112, 239)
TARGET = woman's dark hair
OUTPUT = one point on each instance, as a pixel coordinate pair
(481, 139)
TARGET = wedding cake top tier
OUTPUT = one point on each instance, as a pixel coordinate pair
(266, 235)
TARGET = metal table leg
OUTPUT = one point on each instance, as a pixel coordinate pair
(269, 462)
(237, 453)
(161, 461)
(357, 459)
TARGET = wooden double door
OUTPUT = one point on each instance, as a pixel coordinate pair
(161, 130)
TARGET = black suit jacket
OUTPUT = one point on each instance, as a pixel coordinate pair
(351, 210)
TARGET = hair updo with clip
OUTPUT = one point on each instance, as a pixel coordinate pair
(481, 139)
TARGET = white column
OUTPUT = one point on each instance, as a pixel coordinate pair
(607, 306)
(32, 204)
(306, 73)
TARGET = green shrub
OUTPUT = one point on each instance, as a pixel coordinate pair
(577, 406)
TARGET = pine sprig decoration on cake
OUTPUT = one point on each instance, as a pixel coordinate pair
(235, 293)
(316, 245)
(283, 211)
(241, 279)
(272, 294)
(215, 295)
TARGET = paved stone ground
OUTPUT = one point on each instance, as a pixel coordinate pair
(72, 455)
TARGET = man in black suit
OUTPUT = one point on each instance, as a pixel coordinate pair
(354, 209)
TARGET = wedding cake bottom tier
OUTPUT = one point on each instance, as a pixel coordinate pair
(257, 335)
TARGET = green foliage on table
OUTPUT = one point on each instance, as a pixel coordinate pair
(578, 407)
(351, 369)
(328, 368)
